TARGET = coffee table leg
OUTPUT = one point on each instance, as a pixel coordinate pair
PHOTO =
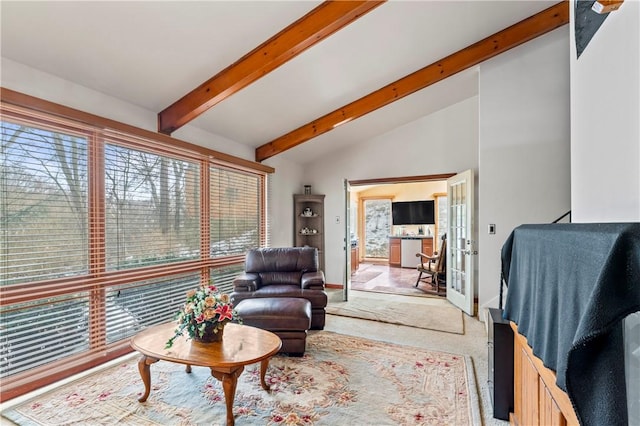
(145, 373)
(229, 383)
(263, 371)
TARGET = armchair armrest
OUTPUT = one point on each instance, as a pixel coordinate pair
(425, 258)
(246, 282)
(312, 280)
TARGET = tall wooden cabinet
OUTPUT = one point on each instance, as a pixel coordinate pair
(308, 223)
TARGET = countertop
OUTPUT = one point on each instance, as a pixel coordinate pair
(411, 237)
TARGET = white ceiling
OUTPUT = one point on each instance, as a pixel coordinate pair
(151, 53)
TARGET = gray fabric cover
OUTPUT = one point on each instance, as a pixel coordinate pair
(569, 288)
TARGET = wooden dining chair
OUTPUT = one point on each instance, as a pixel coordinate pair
(433, 270)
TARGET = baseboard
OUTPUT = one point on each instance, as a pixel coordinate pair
(333, 286)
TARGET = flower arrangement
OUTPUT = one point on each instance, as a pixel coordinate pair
(205, 308)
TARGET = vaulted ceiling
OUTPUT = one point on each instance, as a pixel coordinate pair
(293, 78)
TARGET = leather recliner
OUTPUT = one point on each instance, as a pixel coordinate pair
(284, 272)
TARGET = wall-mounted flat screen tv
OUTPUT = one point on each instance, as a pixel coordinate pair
(413, 212)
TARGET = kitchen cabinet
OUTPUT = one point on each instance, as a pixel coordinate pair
(427, 246)
(406, 257)
(355, 259)
(394, 251)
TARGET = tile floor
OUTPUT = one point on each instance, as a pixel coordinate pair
(382, 278)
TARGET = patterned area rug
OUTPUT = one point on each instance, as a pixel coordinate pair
(340, 380)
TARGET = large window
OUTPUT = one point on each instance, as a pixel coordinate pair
(152, 208)
(377, 227)
(235, 211)
(102, 233)
(43, 203)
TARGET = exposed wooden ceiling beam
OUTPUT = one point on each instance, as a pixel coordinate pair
(312, 28)
(526, 30)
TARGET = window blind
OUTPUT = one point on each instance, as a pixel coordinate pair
(152, 208)
(235, 209)
(135, 306)
(223, 276)
(43, 203)
(39, 332)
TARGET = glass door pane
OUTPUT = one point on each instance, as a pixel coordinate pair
(377, 226)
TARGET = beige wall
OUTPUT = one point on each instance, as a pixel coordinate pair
(405, 191)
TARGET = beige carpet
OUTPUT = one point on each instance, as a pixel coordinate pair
(439, 315)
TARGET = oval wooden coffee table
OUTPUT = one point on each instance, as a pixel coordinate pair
(241, 345)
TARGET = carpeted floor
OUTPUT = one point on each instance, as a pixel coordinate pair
(340, 380)
(439, 315)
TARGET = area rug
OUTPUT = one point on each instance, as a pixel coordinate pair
(364, 276)
(439, 316)
(340, 380)
(412, 291)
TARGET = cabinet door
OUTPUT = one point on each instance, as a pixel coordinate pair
(394, 252)
(427, 246)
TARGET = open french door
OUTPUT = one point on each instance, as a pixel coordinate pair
(461, 250)
(347, 240)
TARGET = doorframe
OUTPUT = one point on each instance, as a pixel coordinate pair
(349, 183)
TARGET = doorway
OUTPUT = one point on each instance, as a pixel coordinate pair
(370, 228)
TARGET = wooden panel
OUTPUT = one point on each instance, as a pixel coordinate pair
(537, 398)
(394, 252)
(517, 383)
(529, 396)
(427, 246)
(550, 413)
(355, 260)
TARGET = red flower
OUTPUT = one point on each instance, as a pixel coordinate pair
(225, 312)
(200, 318)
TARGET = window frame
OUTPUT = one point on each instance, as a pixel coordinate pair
(18, 106)
(362, 223)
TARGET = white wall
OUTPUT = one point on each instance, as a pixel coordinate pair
(605, 145)
(605, 105)
(30, 81)
(443, 142)
(524, 146)
(284, 183)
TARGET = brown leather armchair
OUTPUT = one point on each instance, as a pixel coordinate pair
(284, 272)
